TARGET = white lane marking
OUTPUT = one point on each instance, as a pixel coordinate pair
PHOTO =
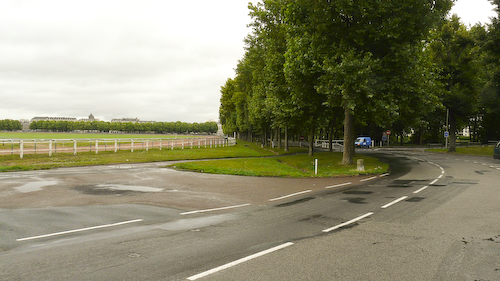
(78, 230)
(440, 176)
(422, 189)
(339, 185)
(242, 260)
(348, 222)
(433, 182)
(368, 179)
(290, 195)
(215, 209)
(383, 175)
(394, 202)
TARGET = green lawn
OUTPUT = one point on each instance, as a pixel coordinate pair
(298, 166)
(479, 151)
(30, 135)
(242, 159)
(43, 161)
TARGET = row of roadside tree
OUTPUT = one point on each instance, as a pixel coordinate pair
(332, 68)
(10, 125)
(102, 126)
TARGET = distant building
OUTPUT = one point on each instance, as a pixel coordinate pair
(90, 119)
(125, 120)
(26, 124)
(46, 118)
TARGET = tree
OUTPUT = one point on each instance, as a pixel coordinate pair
(355, 54)
(455, 52)
(490, 97)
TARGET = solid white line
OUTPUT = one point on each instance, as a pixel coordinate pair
(216, 209)
(383, 175)
(231, 264)
(77, 230)
(394, 202)
(368, 179)
(348, 222)
(290, 195)
(422, 189)
(440, 176)
(339, 185)
(433, 182)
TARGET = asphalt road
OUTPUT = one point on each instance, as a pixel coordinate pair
(435, 217)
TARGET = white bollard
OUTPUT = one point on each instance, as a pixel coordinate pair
(74, 147)
(315, 166)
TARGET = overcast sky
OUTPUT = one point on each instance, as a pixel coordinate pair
(161, 60)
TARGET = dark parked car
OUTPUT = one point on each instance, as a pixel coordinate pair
(496, 152)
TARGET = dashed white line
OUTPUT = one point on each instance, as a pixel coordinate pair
(215, 209)
(394, 202)
(368, 179)
(348, 222)
(77, 230)
(290, 195)
(421, 189)
(242, 260)
(339, 185)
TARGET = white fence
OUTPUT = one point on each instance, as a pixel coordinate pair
(42, 146)
(336, 144)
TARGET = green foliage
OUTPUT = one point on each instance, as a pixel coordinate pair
(10, 125)
(101, 126)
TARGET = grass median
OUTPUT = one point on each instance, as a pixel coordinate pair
(296, 166)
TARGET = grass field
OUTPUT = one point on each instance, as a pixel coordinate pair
(30, 135)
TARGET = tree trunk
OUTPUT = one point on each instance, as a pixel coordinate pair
(286, 139)
(349, 138)
(278, 131)
(453, 130)
(311, 140)
(330, 137)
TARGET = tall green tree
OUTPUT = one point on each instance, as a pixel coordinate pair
(356, 54)
(490, 98)
(456, 53)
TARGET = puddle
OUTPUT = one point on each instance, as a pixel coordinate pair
(115, 189)
(122, 187)
(34, 186)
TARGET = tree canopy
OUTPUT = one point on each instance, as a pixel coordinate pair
(306, 61)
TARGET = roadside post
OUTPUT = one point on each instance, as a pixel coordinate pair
(361, 165)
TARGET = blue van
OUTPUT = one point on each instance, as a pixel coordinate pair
(363, 142)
